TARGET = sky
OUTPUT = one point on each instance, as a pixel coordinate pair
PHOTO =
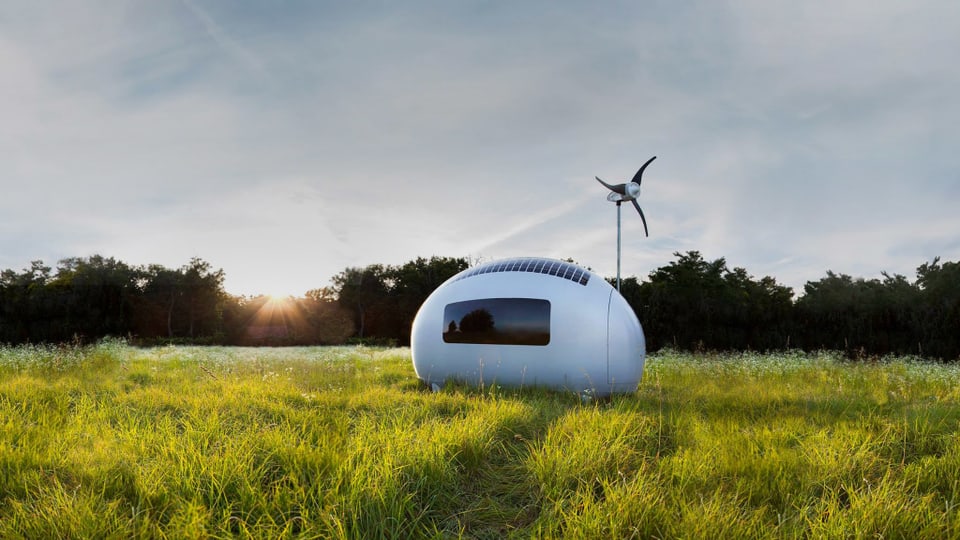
(286, 141)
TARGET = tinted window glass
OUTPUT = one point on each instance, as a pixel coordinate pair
(499, 321)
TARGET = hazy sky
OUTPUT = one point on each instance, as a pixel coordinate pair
(286, 141)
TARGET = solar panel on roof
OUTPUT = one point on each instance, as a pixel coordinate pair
(560, 269)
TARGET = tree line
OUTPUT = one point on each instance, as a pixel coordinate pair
(693, 303)
(690, 303)
(85, 299)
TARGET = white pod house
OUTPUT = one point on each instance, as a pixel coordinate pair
(529, 322)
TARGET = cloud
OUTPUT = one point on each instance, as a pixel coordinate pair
(791, 139)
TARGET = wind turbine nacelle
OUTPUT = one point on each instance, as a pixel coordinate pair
(631, 190)
(529, 322)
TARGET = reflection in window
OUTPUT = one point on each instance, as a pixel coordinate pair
(498, 321)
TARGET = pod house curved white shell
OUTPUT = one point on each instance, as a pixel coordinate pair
(529, 322)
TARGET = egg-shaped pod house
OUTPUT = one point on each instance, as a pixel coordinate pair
(529, 322)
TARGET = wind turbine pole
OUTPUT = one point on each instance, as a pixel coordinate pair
(618, 246)
(627, 191)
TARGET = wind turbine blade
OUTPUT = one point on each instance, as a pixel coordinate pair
(639, 175)
(637, 206)
(616, 189)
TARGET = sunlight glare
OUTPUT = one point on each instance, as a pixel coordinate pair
(278, 300)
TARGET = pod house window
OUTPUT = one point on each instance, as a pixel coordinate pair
(498, 321)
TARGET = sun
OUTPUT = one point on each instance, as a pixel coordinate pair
(279, 293)
(278, 300)
(279, 317)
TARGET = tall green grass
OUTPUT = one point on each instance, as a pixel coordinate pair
(188, 442)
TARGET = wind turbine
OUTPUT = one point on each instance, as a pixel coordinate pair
(628, 191)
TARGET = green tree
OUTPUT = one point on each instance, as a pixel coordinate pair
(681, 301)
(858, 315)
(363, 291)
(94, 297)
(385, 299)
(331, 324)
(20, 296)
(409, 286)
(938, 325)
(693, 303)
(184, 303)
(203, 295)
(160, 292)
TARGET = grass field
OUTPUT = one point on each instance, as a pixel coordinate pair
(189, 442)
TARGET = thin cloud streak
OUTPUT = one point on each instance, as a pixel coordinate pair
(229, 45)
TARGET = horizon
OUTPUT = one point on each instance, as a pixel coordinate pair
(282, 294)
